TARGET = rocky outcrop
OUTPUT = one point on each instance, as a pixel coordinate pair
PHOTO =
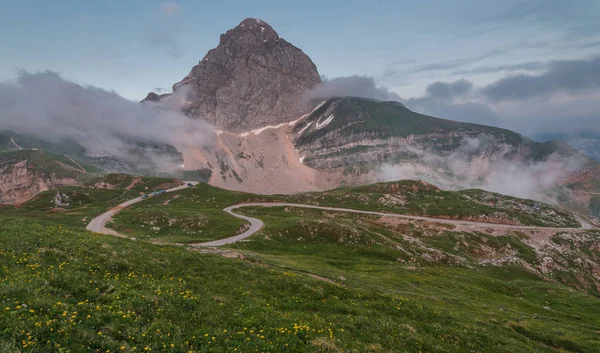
(253, 78)
(20, 181)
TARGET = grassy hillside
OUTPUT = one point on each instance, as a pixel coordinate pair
(48, 163)
(101, 190)
(77, 197)
(26, 173)
(140, 184)
(294, 235)
(29, 142)
(463, 272)
(310, 281)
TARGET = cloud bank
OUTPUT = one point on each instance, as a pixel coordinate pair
(569, 76)
(449, 90)
(54, 109)
(352, 86)
(562, 98)
(484, 164)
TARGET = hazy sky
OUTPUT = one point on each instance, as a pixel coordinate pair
(136, 46)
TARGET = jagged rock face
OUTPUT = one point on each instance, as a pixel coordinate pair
(25, 173)
(20, 182)
(253, 78)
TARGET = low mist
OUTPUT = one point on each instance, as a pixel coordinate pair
(54, 109)
(351, 86)
(483, 164)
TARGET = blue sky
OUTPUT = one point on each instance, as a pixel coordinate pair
(136, 46)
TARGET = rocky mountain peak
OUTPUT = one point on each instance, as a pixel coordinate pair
(250, 32)
(253, 78)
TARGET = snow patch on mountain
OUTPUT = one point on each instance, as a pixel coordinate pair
(321, 125)
(304, 128)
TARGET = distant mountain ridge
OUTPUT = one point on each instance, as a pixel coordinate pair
(588, 143)
(346, 127)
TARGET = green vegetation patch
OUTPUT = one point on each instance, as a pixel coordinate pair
(77, 205)
(191, 215)
(75, 196)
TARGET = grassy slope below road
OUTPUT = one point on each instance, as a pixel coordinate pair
(188, 216)
(354, 246)
(293, 231)
(61, 288)
(357, 250)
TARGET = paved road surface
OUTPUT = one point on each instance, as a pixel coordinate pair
(98, 224)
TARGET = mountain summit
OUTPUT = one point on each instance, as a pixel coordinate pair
(253, 78)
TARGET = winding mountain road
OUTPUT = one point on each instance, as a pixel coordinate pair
(98, 224)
